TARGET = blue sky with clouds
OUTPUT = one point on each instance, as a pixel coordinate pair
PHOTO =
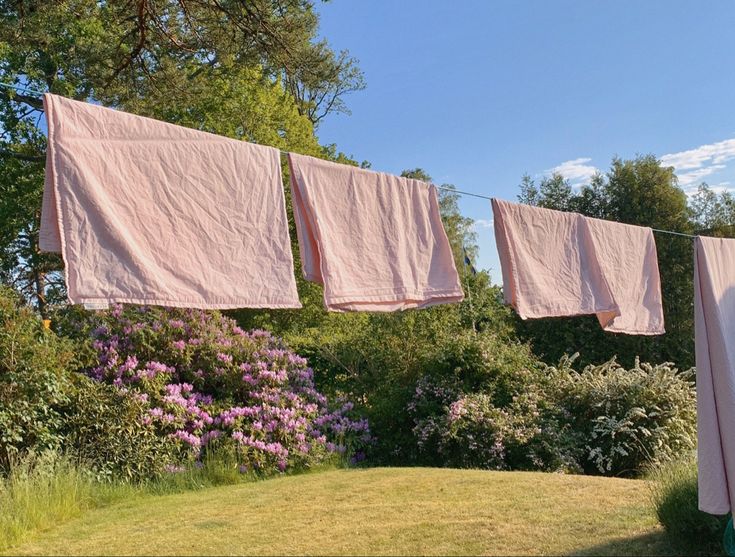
(479, 92)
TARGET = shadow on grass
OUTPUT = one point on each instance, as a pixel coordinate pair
(653, 543)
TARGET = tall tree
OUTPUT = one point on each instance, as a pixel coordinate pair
(713, 213)
(227, 66)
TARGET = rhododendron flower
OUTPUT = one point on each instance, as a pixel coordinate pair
(204, 379)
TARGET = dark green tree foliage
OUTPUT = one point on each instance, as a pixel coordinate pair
(642, 192)
(32, 273)
(34, 382)
(248, 69)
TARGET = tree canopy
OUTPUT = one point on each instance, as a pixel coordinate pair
(248, 69)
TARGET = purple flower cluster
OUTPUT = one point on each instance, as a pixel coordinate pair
(209, 383)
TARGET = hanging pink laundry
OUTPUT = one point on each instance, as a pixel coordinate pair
(714, 313)
(375, 241)
(146, 212)
(556, 263)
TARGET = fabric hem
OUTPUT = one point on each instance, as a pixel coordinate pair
(714, 510)
(49, 108)
(187, 304)
(559, 311)
(393, 305)
(648, 333)
(393, 295)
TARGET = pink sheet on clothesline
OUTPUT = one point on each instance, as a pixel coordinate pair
(556, 263)
(375, 241)
(714, 312)
(147, 212)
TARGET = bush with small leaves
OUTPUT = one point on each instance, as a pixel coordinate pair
(34, 381)
(107, 429)
(627, 419)
(471, 430)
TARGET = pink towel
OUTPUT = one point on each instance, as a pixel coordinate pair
(146, 212)
(556, 264)
(374, 240)
(714, 312)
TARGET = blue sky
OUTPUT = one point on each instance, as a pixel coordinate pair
(477, 93)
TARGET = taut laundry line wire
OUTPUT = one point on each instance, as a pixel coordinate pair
(24, 89)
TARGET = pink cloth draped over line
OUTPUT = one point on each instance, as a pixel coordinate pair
(714, 322)
(146, 212)
(375, 241)
(556, 263)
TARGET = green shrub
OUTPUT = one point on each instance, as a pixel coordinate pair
(106, 430)
(379, 360)
(478, 434)
(33, 381)
(472, 430)
(494, 407)
(627, 420)
(674, 491)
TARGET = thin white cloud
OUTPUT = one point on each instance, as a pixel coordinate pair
(693, 165)
(576, 170)
(720, 187)
(694, 177)
(483, 223)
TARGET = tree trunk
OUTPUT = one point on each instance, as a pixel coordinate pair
(38, 275)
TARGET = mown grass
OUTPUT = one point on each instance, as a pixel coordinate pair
(43, 492)
(397, 511)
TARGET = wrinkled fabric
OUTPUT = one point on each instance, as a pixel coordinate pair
(146, 212)
(714, 323)
(375, 241)
(556, 263)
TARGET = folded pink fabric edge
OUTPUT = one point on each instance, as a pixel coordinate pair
(305, 234)
(49, 239)
(49, 106)
(235, 304)
(654, 329)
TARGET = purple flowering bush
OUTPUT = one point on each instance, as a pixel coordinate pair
(207, 386)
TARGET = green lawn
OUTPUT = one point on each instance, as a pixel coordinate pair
(400, 511)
